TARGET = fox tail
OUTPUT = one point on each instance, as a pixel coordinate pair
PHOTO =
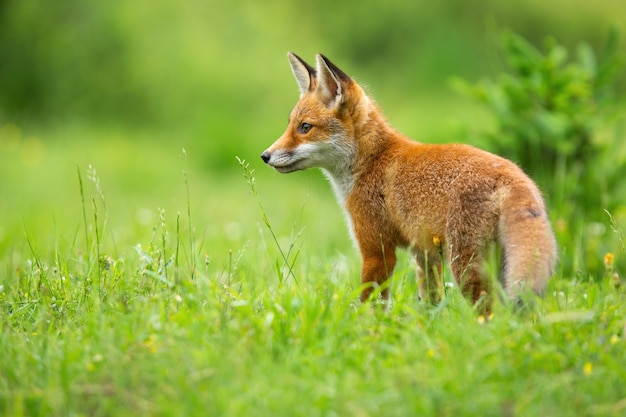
(528, 242)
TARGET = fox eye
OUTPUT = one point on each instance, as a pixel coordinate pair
(305, 127)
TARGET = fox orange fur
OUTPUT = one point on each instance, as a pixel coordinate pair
(454, 200)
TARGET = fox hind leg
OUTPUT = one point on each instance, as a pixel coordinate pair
(468, 250)
(466, 264)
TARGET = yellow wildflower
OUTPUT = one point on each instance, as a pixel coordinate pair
(151, 343)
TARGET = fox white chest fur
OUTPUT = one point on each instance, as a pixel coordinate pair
(400, 193)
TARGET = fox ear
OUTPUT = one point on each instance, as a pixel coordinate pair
(331, 82)
(304, 73)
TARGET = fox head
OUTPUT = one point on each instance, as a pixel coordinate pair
(324, 124)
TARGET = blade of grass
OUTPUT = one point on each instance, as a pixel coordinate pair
(249, 176)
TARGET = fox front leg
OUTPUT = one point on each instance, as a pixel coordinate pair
(375, 272)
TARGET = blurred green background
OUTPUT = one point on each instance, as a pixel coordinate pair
(126, 85)
(216, 71)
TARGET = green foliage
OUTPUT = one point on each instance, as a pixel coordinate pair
(557, 117)
(66, 59)
(561, 119)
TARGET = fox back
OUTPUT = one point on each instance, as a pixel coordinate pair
(451, 200)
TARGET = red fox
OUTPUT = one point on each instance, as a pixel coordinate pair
(451, 200)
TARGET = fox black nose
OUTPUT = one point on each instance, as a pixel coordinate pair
(265, 156)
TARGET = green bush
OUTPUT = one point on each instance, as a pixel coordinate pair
(558, 116)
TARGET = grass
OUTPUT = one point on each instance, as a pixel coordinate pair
(245, 302)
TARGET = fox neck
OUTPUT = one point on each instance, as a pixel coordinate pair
(366, 141)
(342, 183)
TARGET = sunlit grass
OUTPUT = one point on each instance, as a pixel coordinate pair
(174, 299)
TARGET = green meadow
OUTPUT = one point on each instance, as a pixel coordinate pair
(151, 265)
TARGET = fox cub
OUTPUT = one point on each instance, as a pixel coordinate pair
(454, 200)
